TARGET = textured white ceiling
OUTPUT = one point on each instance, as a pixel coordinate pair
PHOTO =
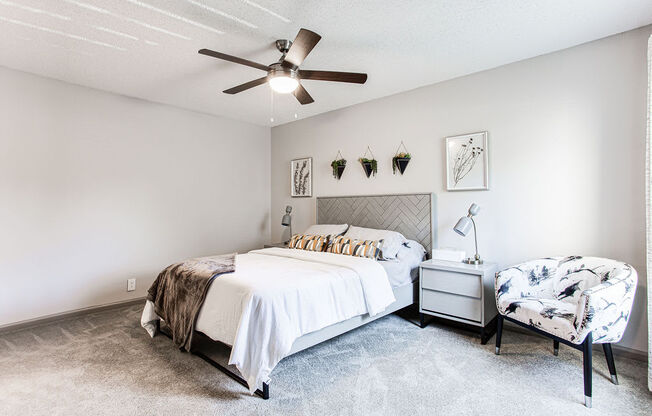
(148, 48)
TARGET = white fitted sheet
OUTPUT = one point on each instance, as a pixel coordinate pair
(399, 273)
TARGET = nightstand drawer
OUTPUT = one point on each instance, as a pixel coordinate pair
(452, 282)
(450, 304)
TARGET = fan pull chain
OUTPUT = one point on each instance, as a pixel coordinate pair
(271, 105)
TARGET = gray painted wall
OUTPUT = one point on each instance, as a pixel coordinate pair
(566, 149)
(96, 188)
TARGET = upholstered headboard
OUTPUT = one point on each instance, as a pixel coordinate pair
(412, 215)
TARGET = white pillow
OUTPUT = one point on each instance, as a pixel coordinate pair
(392, 239)
(412, 253)
(332, 230)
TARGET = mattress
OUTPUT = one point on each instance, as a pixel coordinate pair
(277, 295)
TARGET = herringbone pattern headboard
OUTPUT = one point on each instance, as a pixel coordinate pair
(412, 215)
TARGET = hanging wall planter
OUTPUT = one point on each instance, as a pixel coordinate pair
(370, 166)
(401, 159)
(338, 165)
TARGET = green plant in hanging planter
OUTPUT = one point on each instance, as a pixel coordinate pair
(400, 162)
(338, 166)
(370, 166)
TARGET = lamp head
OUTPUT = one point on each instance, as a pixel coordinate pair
(463, 226)
(287, 218)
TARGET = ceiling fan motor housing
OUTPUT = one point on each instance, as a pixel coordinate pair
(278, 70)
(283, 45)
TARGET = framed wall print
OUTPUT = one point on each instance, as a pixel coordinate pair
(467, 162)
(301, 177)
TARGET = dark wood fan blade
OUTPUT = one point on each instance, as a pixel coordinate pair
(301, 46)
(234, 59)
(302, 95)
(246, 86)
(353, 77)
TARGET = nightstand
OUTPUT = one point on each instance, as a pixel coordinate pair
(459, 292)
(280, 245)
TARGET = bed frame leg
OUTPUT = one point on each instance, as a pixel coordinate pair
(264, 393)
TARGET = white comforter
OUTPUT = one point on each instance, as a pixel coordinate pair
(277, 295)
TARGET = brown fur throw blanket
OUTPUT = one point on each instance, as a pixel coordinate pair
(179, 291)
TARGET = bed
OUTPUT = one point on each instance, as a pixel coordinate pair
(281, 301)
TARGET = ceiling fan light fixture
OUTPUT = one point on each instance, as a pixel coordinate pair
(283, 84)
(284, 76)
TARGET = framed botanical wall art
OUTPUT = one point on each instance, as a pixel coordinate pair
(467, 162)
(301, 177)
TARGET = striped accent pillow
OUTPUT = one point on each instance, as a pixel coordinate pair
(308, 242)
(359, 248)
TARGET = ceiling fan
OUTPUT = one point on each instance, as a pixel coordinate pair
(284, 76)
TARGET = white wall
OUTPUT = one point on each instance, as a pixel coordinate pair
(566, 148)
(96, 188)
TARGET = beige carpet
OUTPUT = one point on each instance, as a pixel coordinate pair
(104, 363)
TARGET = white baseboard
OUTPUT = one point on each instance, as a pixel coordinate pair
(15, 326)
(618, 350)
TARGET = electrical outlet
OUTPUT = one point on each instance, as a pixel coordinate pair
(131, 285)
